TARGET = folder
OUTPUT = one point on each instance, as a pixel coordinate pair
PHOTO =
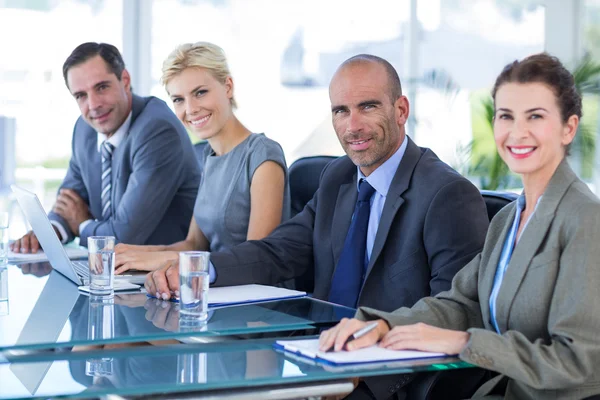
(246, 294)
(310, 349)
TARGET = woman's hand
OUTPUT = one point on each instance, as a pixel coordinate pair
(143, 260)
(123, 248)
(336, 337)
(425, 337)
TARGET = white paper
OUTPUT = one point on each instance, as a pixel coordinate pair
(310, 348)
(40, 256)
(249, 294)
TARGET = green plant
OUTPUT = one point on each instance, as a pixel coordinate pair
(481, 158)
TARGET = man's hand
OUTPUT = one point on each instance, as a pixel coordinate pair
(27, 244)
(72, 208)
(162, 282)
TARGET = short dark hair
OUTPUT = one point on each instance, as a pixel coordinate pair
(395, 88)
(546, 69)
(109, 53)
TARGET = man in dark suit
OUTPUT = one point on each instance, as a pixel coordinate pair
(133, 172)
(421, 224)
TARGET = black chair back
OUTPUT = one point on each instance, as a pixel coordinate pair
(495, 200)
(304, 176)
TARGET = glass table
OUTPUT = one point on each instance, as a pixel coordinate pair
(224, 369)
(48, 311)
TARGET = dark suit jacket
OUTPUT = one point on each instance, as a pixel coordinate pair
(547, 306)
(155, 178)
(433, 223)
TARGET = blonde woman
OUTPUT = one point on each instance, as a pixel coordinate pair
(244, 192)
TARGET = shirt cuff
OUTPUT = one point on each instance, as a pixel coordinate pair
(61, 231)
(83, 225)
(212, 274)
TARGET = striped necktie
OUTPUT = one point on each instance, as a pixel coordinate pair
(107, 152)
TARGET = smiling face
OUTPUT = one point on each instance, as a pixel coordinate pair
(201, 103)
(103, 99)
(529, 131)
(369, 125)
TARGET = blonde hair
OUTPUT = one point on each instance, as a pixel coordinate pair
(197, 55)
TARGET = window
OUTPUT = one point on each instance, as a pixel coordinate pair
(37, 38)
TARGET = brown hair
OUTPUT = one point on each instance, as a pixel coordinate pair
(83, 52)
(546, 69)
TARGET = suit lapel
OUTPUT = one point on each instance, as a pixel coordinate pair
(394, 199)
(530, 241)
(342, 216)
(486, 281)
(137, 105)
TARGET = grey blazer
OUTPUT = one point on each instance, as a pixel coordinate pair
(154, 180)
(433, 223)
(547, 307)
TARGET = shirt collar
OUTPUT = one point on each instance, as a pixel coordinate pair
(521, 202)
(118, 136)
(382, 177)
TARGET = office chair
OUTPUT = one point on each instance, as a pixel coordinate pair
(495, 200)
(304, 176)
(459, 384)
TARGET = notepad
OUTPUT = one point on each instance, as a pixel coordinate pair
(310, 349)
(40, 256)
(247, 294)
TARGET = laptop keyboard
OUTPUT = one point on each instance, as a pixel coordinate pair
(82, 268)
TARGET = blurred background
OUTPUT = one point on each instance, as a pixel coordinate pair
(282, 54)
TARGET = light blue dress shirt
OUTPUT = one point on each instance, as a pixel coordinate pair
(507, 250)
(380, 180)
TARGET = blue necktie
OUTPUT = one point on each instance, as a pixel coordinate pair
(349, 273)
(106, 150)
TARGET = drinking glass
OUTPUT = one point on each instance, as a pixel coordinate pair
(193, 280)
(101, 256)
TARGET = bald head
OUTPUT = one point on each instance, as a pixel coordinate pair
(368, 110)
(394, 88)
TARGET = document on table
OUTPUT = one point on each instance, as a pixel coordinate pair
(310, 349)
(40, 256)
(246, 294)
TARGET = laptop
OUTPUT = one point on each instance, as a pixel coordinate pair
(76, 271)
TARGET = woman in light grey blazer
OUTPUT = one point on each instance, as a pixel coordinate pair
(528, 306)
(244, 193)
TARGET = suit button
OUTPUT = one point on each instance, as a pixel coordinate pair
(391, 389)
